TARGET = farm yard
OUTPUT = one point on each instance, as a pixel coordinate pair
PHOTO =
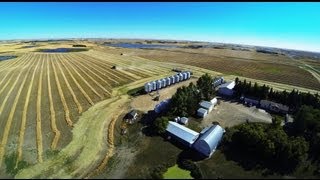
(55, 106)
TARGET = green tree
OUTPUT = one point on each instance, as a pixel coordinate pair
(160, 124)
(204, 85)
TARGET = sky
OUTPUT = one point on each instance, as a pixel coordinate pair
(292, 25)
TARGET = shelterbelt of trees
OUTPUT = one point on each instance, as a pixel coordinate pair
(294, 100)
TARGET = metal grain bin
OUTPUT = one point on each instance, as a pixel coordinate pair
(159, 84)
(189, 74)
(181, 77)
(172, 79)
(177, 78)
(154, 85)
(164, 84)
(168, 81)
(185, 76)
(148, 87)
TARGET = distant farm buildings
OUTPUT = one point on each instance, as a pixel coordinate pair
(204, 142)
(226, 89)
(164, 82)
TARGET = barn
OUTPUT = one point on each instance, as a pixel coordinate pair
(209, 140)
(181, 133)
(226, 88)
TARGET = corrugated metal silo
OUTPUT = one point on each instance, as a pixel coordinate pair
(185, 76)
(168, 81)
(154, 85)
(159, 84)
(181, 77)
(147, 87)
(164, 84)
(188, 75)
(172, 79)
(177, 78)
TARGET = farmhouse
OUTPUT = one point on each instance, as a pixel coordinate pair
(202, 112)
(206, 105)
(275, 107)
(181, 133)
(226, 88)
(208, 140)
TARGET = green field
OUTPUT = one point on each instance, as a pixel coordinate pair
(176, 173)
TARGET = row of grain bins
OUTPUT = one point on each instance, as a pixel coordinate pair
(162, 83)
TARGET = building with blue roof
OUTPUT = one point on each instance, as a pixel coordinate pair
(181, 133)
(209, 140)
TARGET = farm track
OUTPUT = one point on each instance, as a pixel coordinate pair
(53, 120)
(9, 120)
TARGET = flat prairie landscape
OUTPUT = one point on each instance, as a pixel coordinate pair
(44, 95)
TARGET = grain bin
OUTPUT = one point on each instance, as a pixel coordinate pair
(188, 74)
(177, 78)
(180, 76)
(164, 84)
(172, 79)
(159, 84)
(168, 81)
(148, 87)
(185, 76)
(154, 85)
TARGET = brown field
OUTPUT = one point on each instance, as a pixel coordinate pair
(67, 101)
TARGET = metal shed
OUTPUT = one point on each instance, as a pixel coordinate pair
(202, 112)
(182, 133)
(207, 143)
(206, 105)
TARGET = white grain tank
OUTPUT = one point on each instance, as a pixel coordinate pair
(164, 84)
(172, 79)
(154, 85)
(168, 81)
(188, 74)
(159, 84)
(180, 76)
(185, 76)
(148, 87)
(177, 78)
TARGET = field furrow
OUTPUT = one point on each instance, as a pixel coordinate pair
(39, 131)
(82, 78)
(11, 116)
(63, 100)
(97, 65)
(24, 115)
(52, 112)
(77, 83)
(4, 103)
(89, 76)
(84, 66)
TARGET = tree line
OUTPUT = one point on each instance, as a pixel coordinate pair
(294, 99)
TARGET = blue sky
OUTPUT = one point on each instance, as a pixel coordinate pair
(288, 25)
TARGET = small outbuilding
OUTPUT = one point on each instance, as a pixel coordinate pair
(202, 112)
(206, 105)
(131, 116)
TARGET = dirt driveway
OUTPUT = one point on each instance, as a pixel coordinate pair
(145, 102)
(232, 113)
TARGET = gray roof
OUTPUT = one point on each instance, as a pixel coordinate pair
(202, 110)
(229, 85)
(281, 106)
(211, 137)
(182, 132)
(206, 104)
